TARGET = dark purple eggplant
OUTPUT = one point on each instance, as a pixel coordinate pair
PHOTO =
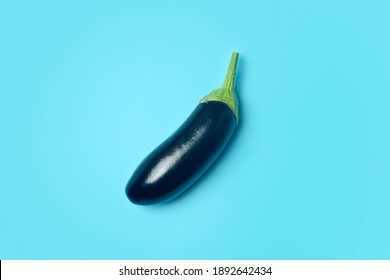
(182, 158)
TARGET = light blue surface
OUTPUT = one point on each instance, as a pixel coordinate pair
(89, 89)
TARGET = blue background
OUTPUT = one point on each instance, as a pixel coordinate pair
(88, 89)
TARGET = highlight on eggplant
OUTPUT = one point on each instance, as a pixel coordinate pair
(180, 160)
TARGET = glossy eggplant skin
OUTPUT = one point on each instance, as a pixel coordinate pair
(181, 159)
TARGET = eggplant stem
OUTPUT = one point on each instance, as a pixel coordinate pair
(231, 73)
(226, 93)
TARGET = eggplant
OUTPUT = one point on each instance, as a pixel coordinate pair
(181, 159)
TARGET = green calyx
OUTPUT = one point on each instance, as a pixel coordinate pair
(226, 93)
